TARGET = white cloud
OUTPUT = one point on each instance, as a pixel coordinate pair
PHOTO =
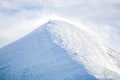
(52, 3)
(22, 16)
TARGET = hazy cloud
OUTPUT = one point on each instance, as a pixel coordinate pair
(22, 16)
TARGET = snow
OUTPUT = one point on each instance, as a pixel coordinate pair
(59, 51)
(87, 49)
(37, 57)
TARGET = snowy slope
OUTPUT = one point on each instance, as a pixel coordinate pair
(88, 49)
(59, 51)
(37, 57)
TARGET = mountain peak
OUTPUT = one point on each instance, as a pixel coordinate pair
(55, 21)
(57, 50)
(36, 57)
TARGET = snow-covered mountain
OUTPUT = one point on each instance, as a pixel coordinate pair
(59, 51)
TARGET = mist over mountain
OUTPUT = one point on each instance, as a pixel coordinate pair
(59, 50)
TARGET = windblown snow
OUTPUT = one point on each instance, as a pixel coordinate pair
(59, 51)
(86, 49)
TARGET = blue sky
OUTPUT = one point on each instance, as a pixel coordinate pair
(19, 17)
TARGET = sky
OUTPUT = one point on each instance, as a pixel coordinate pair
(20, 17)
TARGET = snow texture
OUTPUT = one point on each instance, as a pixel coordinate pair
(86, 48)
(37, 57)
(59, 51)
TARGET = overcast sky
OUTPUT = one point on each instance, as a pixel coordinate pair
(19, 17)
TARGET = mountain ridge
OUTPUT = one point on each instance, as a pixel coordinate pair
(70, 45)
(37, 57)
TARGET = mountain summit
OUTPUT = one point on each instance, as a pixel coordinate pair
(58, 51)
(37, 57)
